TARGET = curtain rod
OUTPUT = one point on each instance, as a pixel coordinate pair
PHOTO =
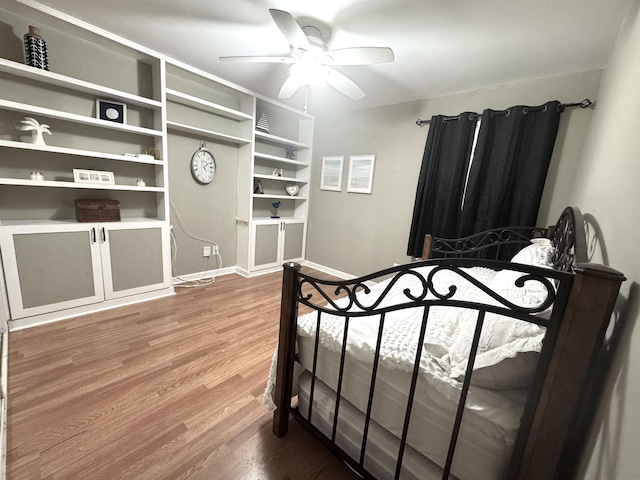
(586, 103)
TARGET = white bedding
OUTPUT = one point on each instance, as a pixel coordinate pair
(491, 417)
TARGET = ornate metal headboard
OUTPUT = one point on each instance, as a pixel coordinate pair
(569, 240)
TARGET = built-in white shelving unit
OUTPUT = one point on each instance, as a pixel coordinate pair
(163, 97)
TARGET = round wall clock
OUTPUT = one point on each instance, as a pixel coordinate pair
(203, 165)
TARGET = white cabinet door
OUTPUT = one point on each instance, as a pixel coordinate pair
(134, 258)
(265, 244)
(277, 241)
(293, 241)
(51, 267)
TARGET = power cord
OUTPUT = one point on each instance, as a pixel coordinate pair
(203, 280)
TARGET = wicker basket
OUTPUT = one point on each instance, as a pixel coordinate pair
(97, 210)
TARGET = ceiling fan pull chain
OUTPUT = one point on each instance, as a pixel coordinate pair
(306, 99)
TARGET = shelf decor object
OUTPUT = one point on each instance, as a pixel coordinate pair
(258, 190)
(88, 210)
(262, 124)
(290, 152)
(292, 189)
(111, 111)
(30, 124)
(36, 176)
(276, 206)
(35, 49)
(93, 176)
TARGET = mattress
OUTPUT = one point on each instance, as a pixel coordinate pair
(382, 447)
(484, 447)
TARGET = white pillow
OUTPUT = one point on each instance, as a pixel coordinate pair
(502, 342)
(509, 373)
(538, 254)
(508, 349)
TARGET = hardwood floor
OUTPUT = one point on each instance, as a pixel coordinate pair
(167, 389)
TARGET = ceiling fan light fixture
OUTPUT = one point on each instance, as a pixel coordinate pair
(309, 74)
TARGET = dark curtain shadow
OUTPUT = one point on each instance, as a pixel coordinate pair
(606, 394)
(11, 46)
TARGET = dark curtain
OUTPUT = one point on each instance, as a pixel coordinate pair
(509, 168)
(442, 177)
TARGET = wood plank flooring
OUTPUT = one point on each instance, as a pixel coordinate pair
(166, 389)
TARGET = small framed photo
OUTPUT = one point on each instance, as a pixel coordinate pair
(93, 176)
(331, 177)
(111, 111)
(361, 173)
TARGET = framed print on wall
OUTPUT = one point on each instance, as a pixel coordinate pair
(331, 177)
(360, 173)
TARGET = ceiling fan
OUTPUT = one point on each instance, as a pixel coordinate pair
(311, 62)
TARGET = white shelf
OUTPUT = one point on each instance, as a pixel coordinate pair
(34, 110)
(192, 101)
(282, 179)
(264, 220)
(77, 152)
(279, 197)
(18, 223)
(267, 137)
(91, 186)
(275, 158)
(180, 127)
(51, 78)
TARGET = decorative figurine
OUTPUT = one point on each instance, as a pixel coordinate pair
(258, 188)
(35, 49)
(262, 124)
(276, 206)
(30, 124)
(292, 189)
(289, 152)
(277, 172)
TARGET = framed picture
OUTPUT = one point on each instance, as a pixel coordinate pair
(111, 111)
(361, 173)
(93, 176)
(331, 177)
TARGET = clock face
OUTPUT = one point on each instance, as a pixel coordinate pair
(203, 166)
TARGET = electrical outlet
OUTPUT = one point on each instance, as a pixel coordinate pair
(206, 252)
(216, 250)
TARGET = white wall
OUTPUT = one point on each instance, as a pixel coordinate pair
(359, 234)
(607, 189)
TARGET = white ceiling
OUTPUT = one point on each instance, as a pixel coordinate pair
(441, 46)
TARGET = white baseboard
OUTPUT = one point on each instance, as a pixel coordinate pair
(4, 362)
(191, 277)
(45, 318)
(329, 270)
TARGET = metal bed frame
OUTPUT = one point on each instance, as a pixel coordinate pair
(581, 295)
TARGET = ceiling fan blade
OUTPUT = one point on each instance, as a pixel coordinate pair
(257, 59)
(359, 56)
(289, 87)
(290, 29)
(344, 85)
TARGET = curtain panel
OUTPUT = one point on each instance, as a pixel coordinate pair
(509, 167)
(442, 177)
